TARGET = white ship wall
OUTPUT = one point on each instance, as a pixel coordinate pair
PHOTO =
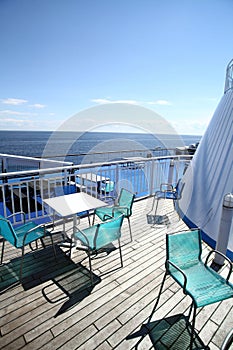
(210, 176)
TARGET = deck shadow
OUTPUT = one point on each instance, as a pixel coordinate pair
(39, 265)
(72, 286)
(171, 333)
(8, 278)
(158, 219)
(69, 281)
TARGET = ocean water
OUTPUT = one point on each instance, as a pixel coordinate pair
(45, 143)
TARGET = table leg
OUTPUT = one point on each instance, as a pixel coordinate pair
(74, 223)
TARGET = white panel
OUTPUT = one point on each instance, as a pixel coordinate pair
(210, 175)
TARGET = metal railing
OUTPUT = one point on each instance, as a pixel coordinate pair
(26, 190)
(108, 156)
(14, 163)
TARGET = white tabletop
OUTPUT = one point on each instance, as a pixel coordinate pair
(74, 203)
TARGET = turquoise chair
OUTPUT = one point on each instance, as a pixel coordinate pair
(196, 278)
(167, 191)
(95, 237)
(123, 206)
(21, 236)
(107, 187)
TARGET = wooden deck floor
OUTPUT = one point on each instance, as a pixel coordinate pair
(56, 307)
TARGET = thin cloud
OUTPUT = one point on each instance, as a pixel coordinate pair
(12, 120)
(160, 103)
(16, 113)
(133, 102)
(38, 105)
(13, 101)
(9, 112)
(106, 100)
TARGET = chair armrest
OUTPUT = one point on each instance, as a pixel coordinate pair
(158, 192)
(33, 229)
(120, 207)
(110, 197)
(169, 187)
(225, 257)
(113, 199)
(168, 262)
(18, 213)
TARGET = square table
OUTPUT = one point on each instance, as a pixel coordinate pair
(72, 204)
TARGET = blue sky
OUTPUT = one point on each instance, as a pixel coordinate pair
(59, 57)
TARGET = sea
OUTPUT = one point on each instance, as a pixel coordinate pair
(70, 144)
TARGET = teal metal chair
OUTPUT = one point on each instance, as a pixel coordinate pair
(123, 205)
(167, 191)
(107, 187)
(21, 236)
(96, 237)
(197, 279)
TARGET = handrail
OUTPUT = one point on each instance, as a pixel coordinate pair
(156, 149)
(83, 166)
(25, 190)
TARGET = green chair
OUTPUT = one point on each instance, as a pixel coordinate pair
(197, 279)
(21, 236)
(167, 191)
(96, 237)
(123, 206)
(107, 187)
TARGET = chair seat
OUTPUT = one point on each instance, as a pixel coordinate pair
(204, 284)
(31, 237)
(106, 213)
(107, 234)
(167, 195)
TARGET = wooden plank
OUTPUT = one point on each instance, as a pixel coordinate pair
(113, 311)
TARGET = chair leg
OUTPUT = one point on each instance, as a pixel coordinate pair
(90, 265)
(3, 246)
(153, 203)
(54, 250)
(156, 208)
(93, 219)
(130, 231)
(21, 265)
(89, 220)
(193, 325)
(119, 242)
(71, 246)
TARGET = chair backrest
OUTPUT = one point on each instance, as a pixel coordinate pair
(108, 231)
(7, 231)
(184, 248)
(126, 199)
(164, 187)
(107, 186)
(179, 188)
